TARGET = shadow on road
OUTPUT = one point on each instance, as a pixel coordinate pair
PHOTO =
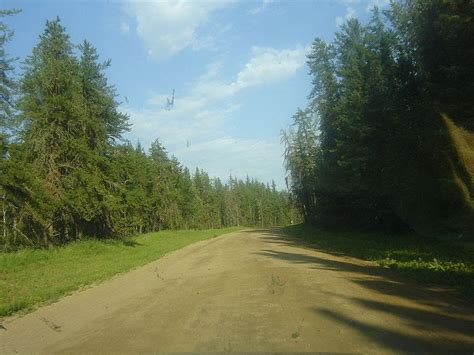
(396, 340)
(424, 309)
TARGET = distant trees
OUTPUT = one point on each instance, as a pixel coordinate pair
(385, 95)
(67, 174)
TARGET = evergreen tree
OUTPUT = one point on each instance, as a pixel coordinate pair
(67, 109)
(52, 112)
(8, 181)
(301, 152)
(7, 83)
(388, 153)
(105, 123)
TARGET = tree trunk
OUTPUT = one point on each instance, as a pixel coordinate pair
(14, 230)
(4, 211)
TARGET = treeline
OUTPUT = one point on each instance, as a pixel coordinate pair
(387, 140)
(67, 174)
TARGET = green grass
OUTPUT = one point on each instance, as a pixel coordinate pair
(425, 260)
(29, 277)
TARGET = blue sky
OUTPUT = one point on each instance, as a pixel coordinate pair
(238, 69)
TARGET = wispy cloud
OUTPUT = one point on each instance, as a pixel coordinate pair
(195, 129)
(267, 65)
(212, 71)
(167, 27)
(191, 119)
(258, 9)
(206, 106)
(377, 3)
(350, 13)
(359, 4)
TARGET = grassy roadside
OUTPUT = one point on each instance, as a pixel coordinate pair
(32, 276)
(424, 260)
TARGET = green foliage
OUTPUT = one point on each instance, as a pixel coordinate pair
(385, 96)
(31, 276)
(12, 178)
(301, 155)
(7, 83)
(69, 175)
(105, 123)
(54, 122)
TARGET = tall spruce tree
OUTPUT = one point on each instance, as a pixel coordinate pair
(7, 83)
(52, 112)
(8, 178)
(301, 150)
(68, 112)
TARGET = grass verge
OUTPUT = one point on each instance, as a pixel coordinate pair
(426, 260)
(32, 276)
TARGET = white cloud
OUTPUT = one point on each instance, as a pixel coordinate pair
(212, 71)
(167, 27)
(201, 110)
(350, 13)
(256, 10)
(267, 65)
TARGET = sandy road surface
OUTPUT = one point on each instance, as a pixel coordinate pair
(248, 291)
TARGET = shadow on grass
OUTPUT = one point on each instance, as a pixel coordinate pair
(371, 276)
(131, 243)
(425, 260)
(419, 310)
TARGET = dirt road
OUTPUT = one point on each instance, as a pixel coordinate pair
(248, 291)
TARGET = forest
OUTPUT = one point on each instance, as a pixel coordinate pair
(67, 173)
(387, 139)
(386, 142)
